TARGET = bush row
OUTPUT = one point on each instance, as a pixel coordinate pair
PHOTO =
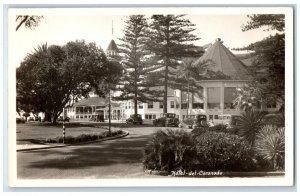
(206, 150)
(217, 128)
(213, 149)
(83, 137)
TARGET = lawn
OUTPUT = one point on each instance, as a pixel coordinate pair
(38, 131)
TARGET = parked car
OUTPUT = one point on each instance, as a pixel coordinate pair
(67, 119)
(226, 119)
(135, 119)
(186, 123)
(20, 120)
(166, 120)
(200, 121)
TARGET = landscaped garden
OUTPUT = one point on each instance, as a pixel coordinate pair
(256, 144)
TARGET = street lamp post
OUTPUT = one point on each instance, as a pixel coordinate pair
(64, 128)
(109, 115)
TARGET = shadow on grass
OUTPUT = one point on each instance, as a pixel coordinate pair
(89, 124)
(125, 150)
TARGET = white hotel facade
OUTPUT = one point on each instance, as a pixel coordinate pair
(218, 95)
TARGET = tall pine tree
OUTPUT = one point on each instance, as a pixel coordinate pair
(170, 40)
(269, 59)
(133, 52)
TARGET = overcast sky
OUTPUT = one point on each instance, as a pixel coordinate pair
(60, 29)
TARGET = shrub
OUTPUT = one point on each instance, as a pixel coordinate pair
(249, 124)
(170, 150)
(82, 138)
(223, 151)
(188, 121)
(198, 131)
(218, 128)
(275, 120)
(270, 146)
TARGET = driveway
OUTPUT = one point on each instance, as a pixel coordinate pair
(120, 158)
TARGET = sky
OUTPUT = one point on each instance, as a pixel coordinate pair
(60, 29)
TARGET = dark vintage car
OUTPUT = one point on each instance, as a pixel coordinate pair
(166, 120)
(135, 119)
(20, 120)
(200, 121)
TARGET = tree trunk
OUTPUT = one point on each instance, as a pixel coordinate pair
(188, 101)
(135, 96)
(47, 117)
(135, 105)
(54, 118)
(165, 103)
(166, 89)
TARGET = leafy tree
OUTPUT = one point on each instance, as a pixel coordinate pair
(50, 77)
(170, 40)
(28, 21)
(134, 62)
(269, 55)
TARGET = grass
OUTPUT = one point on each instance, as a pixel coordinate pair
(31, 131)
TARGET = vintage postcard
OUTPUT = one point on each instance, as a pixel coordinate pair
(150, 97)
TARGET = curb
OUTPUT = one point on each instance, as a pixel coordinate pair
(81, 143)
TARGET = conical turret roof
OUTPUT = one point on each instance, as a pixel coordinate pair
(222, 59)
(112, 46)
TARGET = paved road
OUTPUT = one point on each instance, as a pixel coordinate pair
(120, 158)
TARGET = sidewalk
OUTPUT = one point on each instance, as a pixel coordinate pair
(30, 146)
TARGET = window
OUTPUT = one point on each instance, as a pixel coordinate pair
(154, 116)
(210, 117)
(230, 94)
(216, 116)
(125, 106)
(77, 117)
(172, 103)
(198, 102)
(140, 106)
(213, 97)
(184, 106)
(161, 105)
(150, 104)
(146, 116)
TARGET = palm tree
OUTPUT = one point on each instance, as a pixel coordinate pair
(249, 124)
(190, 73)
(270, 145)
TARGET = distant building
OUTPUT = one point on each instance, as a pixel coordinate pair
(94, 108)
